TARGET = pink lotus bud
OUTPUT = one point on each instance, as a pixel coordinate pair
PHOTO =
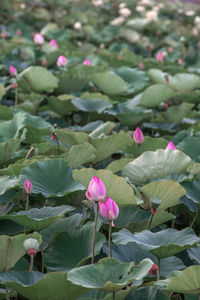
(38, 39)
(141, 65)
(170, 146)
(154, 270)
(180, 61)
(12, 70)
(159, 57)
(96, 190)
(87, 62)
(61, 61)
(28, 186)
(44, 62)
(18, 32)
(3, 34)
(53, 43)
(138, 136)
(109, 209)
(170, 49)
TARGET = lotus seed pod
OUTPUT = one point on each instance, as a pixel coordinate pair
(31, 244)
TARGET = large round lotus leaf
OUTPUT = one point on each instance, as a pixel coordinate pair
(61, 225)
(11, 249)
(156, 165)
(158, 76)
(110, 83)
(190, 146)
(90, 105)
(72, 247)
(183, 109)
(109, 274)
(194, 254)
(118, 164)
(37, 79)
(184, 82)
(62, 105)
(155, 94)
(50, 178)
(71, 138)
(134, 78)
(148, 293)
(116, 187)
(5, 111)
(102, 129)
(81, 154)
(7, 183)
(38, 286)
(168, 192)
(187, 281)
(162, 244)
(192, 190)
(38, 218)
(108, 145)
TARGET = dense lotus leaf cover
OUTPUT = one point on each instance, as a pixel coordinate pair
(99, 98)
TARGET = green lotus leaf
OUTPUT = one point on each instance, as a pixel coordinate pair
(108, 145)
(62, 104)
(38, 286)
(38, 218)
(191, 146)
(117, 188)
(155, 94)
(162, 244)
(37, 79)
(72, 247)
(187, 281)
(118, 164)
(192, 190)
(90, 105)
(11, 249)
(168, 192)
(148, 293)
(109, 274)
(110, 83)
(5, 111)
(70, 138)
(7, 183)
(80, 155)
(170, 115)
(50, 178)
(185, 82)
(102, 129)
(156, 165)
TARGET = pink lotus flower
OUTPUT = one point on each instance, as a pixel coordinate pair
(87, 62)
(96, 190)
(170, 146)
(53, 43)
(12, 70)
(159, 57)
(141, 65)
(61, 61)
(180, 61)
(170, 49)
(109, 210)
(138, 136)
(38, 39)
(28, 186)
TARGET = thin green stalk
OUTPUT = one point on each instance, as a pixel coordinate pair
(193, 221)
(27, 202)
(94, 232)
(158, 271)
(16, 98)
(113, 296)
(58, 146)
(7, 294)
(150, 221)
(42, 255)
(109, 238)
(31, 263)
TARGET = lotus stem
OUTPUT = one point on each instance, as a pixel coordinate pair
(16, 99)
(150, 221)
(94, 232)
(109, 238)
(31, 262)
(158, 271)
(193, 221)
(27, 202)
(7, 294)
(42, 255)
(113, 296)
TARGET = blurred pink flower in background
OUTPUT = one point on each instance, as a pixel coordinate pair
(87, 62)
(38, 39)
(12, 70)
(160, 57)
(61, 61)
(170, 146)
(53, 43)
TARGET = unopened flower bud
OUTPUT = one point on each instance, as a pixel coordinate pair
(31, 243)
